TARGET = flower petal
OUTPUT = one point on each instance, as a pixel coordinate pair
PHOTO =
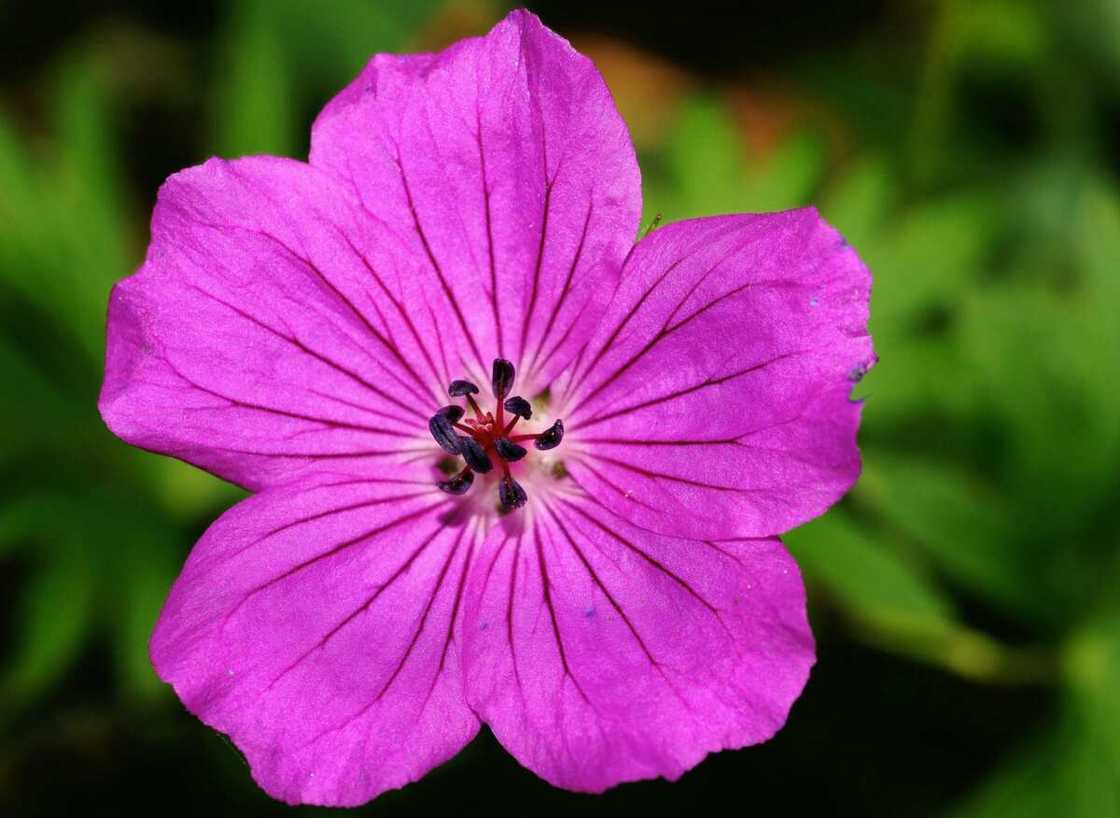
(318, 626)
(271, 324)
(600, 653)
(503, 163)
(714, 399)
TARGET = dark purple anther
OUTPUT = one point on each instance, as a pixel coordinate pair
(459, 388)
(444, 433)
(511, 495)
(509, 450)
(452, 412)
(550, 438)
(501, 378)
(474, 454)
(457, 484)
(517, 405)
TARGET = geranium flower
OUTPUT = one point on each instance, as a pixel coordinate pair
(509, 467)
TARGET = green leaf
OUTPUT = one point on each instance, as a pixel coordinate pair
(1073, 771)
(284, 58)
(707, 171)
(917, 381)
(787, 178)
(704, 162)
(958, 520)
(54, 613)
(866, 574)
(146, 564)
(1046, 370)
(256, 110)
(859, 203)
(931, 258)
(69, 239)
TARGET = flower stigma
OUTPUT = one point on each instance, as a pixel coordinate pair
(485, 438)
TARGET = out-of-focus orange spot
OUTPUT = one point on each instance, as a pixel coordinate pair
(767, 116)
(454, 21)
(647, 89)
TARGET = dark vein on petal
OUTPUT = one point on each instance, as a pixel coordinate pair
(658, 475)
(257, 407)
(447, 291)
(341, 297)
(623, 493)
(591, 572)
(657, 564)
(558, 305)
(546, 587)
(319, 455)
(440, 346)
(354, 405)
(509, 606)
(401, 311)
(314, 354)
(423, 620)
(458, 599)
(608, 345)
(377, 501)
(619, 441)
(661, 335)
(489, 232)
(534, 290)
(336, 549)
(707, 382)
(358, 611)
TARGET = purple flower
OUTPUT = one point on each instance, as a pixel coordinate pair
(509, 467)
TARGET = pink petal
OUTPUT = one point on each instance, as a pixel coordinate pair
(600, 653)
(318, 626)
(271, 324)
(505, 167)
(714, 399)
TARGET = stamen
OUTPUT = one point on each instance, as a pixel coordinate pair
(517, 405)
(444, 432)
(475, 455)
(485, 440)
(509, 450)
(452, 412)
(474, 406)
(510, 494)
(459, 484)
(459, 388)
(501, 378)
(550, 438)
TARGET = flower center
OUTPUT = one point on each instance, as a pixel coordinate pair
(488, 436)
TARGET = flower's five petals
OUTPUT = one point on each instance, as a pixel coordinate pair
(270, 327)
(600, 653)
(318, 626)
(504, 165)
(714, 399)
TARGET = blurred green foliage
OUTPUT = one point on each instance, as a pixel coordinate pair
(983, 538)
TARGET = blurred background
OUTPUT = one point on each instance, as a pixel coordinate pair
(966, 595)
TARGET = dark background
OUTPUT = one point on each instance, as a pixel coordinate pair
(965, 596)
